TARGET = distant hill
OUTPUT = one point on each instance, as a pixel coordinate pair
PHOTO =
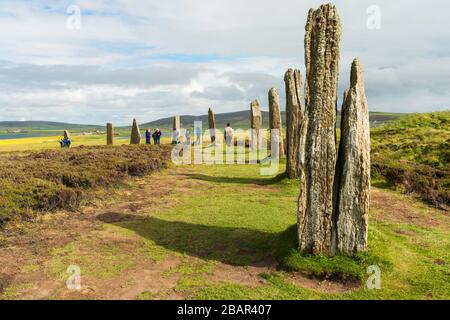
(24, 126)
(241, 119)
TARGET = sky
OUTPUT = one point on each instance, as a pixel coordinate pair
(98, 61)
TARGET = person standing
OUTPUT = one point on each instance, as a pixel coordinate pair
(229, 133)
(148, 136)
(157, 136)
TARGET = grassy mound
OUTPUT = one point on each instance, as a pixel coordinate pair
(413, 153)
(57, 179)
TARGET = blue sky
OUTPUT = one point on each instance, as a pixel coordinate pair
(152, 59)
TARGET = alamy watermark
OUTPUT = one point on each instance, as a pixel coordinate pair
(374, 17)
(73, 282)
(73, 21)
(243, 147)
(374, 280)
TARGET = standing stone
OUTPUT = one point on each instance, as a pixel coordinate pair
(176, 129)
(353, 169)
(66, 134)
(315, 212)
(109, 134)
(176, 123)
(256, 123)
(212, 125)
(307, 42)
(295, 122)
(135, 133)
(275, 119)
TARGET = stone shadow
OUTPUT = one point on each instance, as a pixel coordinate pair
(238, 180)
(238, 246)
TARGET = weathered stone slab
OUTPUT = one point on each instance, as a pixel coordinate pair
(212, 125)
(135, 133)
(109, 134)
(176, 129)
(176, 123)
(295, 121)
(353, 168)
(275, 119)
(322, 53)
(66, 134)
(256, 123)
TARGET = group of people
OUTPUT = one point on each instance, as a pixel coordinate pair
(228, 136)
(155, 135)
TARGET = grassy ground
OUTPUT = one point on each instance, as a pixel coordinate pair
(222, 232)
(413, 154)
(217, 232)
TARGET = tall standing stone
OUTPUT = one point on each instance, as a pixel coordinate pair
(322, 53)
(275, 119)
(135, 133)
(109, 134)
(256, 123)
(295, 123)
(66, 134)
(212, 125)
(353, 169)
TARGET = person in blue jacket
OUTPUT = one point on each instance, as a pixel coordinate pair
(65, 143)
(148, 136)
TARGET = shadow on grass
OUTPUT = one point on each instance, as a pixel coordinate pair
(244, 247)
(238, 180)
(230, 245)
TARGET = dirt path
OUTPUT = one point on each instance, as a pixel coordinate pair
(33, 261)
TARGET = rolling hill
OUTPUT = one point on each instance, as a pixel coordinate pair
(239, 119)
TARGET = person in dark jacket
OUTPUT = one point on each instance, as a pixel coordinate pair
(148, 136)
(157, 136)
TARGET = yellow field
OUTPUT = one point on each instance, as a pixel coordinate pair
(52, 142)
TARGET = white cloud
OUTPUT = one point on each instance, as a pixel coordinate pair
(156, 58)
